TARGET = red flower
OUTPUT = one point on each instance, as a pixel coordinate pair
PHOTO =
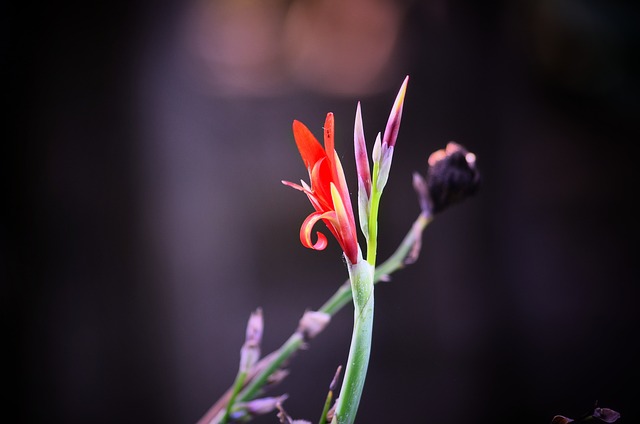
(328, 191)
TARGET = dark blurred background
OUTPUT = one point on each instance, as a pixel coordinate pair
(145, 218)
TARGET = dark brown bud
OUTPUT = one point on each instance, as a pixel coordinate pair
(452, 177)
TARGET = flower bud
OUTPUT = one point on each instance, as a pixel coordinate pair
(250, 351)
(452, 177)
(393, 124)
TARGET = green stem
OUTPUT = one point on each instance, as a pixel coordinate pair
(242, 375)
(325, 409)
(361, 276)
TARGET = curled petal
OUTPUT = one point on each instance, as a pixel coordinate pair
(307, 227)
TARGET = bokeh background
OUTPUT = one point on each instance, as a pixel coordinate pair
(145, 218)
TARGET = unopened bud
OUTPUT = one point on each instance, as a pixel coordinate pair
(334, 382)
(376, 155)
(250, 351)
(255, 327)
(360, 147)
(393, 124)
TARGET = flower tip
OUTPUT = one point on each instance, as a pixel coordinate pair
(358, 125)
(397, 106)
(255, 328)
(393, 124)
(329, 119)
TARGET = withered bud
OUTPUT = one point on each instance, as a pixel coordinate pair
(312, 323)
(264, 405)
(452, 176)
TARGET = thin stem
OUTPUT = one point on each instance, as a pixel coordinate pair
(325, 409)
(240, 378)
(361, 275)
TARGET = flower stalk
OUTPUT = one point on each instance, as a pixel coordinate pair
(361, 276)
